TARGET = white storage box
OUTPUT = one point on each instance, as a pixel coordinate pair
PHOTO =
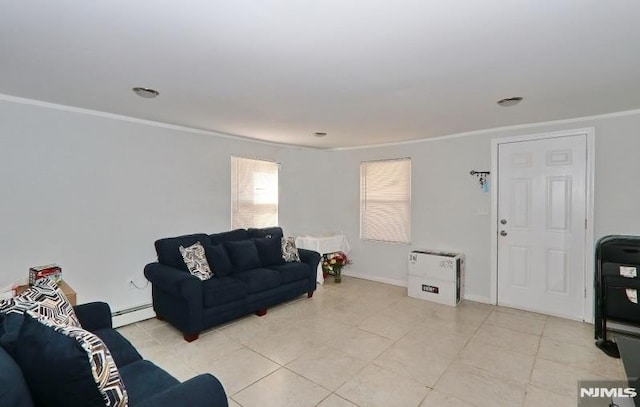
(436, 276)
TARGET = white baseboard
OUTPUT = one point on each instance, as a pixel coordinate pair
(146, 313)
(132, 317)
(478, 298)
(399, 283)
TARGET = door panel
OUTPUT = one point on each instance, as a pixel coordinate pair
(541, 245)
(521, 198)
(519, 263)
(558, 204)
(557, 272)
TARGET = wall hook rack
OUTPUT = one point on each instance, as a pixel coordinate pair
(482, 177)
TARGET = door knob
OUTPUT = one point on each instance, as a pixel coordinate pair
(503, 221)
(503, 233)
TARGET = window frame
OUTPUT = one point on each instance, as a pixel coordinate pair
(239, 193)
(404, 237)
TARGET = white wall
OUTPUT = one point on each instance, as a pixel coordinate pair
(450, 212)
(445, 205)
(93, 193)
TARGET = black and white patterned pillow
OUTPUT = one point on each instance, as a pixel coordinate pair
(196, 260)
(42, 301)
(103, 367)
(289, 250)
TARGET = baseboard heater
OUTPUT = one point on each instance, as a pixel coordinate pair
(132, 315)
(130, 310)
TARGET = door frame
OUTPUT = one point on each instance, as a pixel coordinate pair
(589, 261)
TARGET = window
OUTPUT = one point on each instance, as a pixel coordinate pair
(385, 200)
(254, 193)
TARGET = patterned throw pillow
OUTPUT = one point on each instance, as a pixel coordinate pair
(63, 365)
(196, 260)
(103, 368)
(289, 250)
(42, 301)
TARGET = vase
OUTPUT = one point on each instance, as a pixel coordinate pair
(337, 275)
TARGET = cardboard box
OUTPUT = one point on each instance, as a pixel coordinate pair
(436, 276)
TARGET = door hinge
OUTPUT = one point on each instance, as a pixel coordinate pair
(585, 223)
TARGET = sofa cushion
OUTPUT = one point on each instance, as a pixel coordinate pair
(144, 379)
(43, 300)
(219, 260)
(196, 260)
(269, 250)
(222, 290)
(121, 349)
(168, 249)
(230, 236)
(289, 250)
(13, 389)
(50, 355)
(294, 271)
(259, 279)
(273, 231)
(243, 255)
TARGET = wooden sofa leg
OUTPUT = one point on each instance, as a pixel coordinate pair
(309, 294)
(190, 337)
(159, 318)
(261, 312)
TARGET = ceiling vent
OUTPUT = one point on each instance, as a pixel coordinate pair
(146, 93)
(510, 101)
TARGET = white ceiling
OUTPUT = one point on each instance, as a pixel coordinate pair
(364, 71)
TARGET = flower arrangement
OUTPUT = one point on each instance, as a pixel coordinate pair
(333, 264)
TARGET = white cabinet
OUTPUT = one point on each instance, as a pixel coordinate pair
(436, 276)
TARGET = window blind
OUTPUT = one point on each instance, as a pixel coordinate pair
(254, 193)
(385, 200)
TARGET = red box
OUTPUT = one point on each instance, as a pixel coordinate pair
(51, 271)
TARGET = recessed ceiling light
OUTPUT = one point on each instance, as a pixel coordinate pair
(510, 101)
(146, 93)
(319, 134)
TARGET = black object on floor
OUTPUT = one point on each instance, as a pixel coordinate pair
(609, 347)
(630, 355)
(616, 283)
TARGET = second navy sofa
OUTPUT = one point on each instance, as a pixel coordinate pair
(250, 275)
(53, 369)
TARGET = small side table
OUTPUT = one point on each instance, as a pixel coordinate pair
(323, 245)
(63, 286)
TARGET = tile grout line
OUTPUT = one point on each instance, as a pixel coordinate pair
(362, 315)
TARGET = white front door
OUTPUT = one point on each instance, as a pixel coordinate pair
(541, 225)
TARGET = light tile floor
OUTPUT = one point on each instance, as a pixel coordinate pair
(362, 343)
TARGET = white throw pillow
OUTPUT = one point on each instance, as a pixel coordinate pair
(196, 260)
(289, 250)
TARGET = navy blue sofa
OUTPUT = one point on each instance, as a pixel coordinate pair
(146, 384)
(249, 276)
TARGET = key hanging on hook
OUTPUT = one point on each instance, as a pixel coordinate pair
(482, 178)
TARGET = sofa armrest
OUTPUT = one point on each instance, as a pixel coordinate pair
(310, 257)
(174, 281)
(203, 391)
(94, 315)
(177, 297)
